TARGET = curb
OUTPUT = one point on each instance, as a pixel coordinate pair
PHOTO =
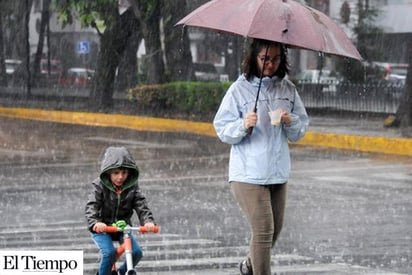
(371, 144)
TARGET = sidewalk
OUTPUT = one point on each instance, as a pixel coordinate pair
(365, 135)
(359, 134)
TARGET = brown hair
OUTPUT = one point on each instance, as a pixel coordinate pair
(249, 65)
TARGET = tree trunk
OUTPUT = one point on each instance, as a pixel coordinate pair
(26, 22)
(127, 72)
(234, 55)
(3, 74)
(179, 65)
(107, 61)
(16, 23)
(404, 112)
(148, 14)
(154, 52)
(45, 17)
(113, 43)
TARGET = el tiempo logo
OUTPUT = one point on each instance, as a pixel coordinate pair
(51, 262)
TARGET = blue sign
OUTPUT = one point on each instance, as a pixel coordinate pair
(83, 47)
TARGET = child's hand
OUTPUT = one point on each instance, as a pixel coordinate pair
(99, 227)
(149, 226)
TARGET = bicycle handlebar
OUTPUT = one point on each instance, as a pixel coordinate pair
(141, 229)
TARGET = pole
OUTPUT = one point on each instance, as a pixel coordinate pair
(250, 130)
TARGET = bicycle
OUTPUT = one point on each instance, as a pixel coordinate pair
(126, 246)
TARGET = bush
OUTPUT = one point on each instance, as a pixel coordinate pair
(180, 97)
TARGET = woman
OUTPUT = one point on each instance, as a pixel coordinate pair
(259, 164)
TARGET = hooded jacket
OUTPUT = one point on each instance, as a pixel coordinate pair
(108, 206)
(263, 156)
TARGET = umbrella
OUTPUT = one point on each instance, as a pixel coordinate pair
(284, 21)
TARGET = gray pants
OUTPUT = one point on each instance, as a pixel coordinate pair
(264, 207)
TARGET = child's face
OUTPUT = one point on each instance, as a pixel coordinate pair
(118, 176)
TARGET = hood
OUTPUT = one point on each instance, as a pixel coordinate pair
(266, 80)
(118, 157)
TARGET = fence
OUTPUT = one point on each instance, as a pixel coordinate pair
(380, 98)
(346, 96)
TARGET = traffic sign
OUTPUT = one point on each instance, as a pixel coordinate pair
(83, 47)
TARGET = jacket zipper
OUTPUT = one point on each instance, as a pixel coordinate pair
(118, 195)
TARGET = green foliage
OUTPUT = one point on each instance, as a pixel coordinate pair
(88, 12)
(180, 97)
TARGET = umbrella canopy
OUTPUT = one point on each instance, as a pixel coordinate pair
(285, 21)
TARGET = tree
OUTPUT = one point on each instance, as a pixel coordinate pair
(148, 14)
(15, 17)
(367, 33)
(114, 40)
(3, 74)
(179, 64)
(45, 17)
(126, 77)
(27, 9)
(403, 117)
(141, 20)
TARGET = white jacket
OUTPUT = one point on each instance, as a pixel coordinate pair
(262, 157)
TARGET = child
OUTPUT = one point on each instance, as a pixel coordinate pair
(114, 196)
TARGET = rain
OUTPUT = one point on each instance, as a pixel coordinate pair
(65, 100)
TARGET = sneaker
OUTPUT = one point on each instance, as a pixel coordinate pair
(244, 268)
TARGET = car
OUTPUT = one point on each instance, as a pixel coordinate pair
(325, 78)
(49, 75)
(398, 79)
(12, 65)
(388, 71)
(206, 72)
(77, 77)
(398, 69)
(314, 76)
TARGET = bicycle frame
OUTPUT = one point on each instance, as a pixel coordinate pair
(126, 246)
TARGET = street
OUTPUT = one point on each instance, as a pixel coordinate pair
(347, 212)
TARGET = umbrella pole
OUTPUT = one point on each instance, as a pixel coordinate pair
(249, 131)
(261, 77)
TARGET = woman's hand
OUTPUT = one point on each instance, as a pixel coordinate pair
(285, 118)
(250, 120)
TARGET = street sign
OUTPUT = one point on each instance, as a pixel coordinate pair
(83, 47)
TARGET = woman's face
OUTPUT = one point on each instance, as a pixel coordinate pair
(273, 60)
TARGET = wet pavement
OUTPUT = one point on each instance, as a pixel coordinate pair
(348, 212)
(343, 133)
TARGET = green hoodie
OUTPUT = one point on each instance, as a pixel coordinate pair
(108, 206)
(118, 157)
